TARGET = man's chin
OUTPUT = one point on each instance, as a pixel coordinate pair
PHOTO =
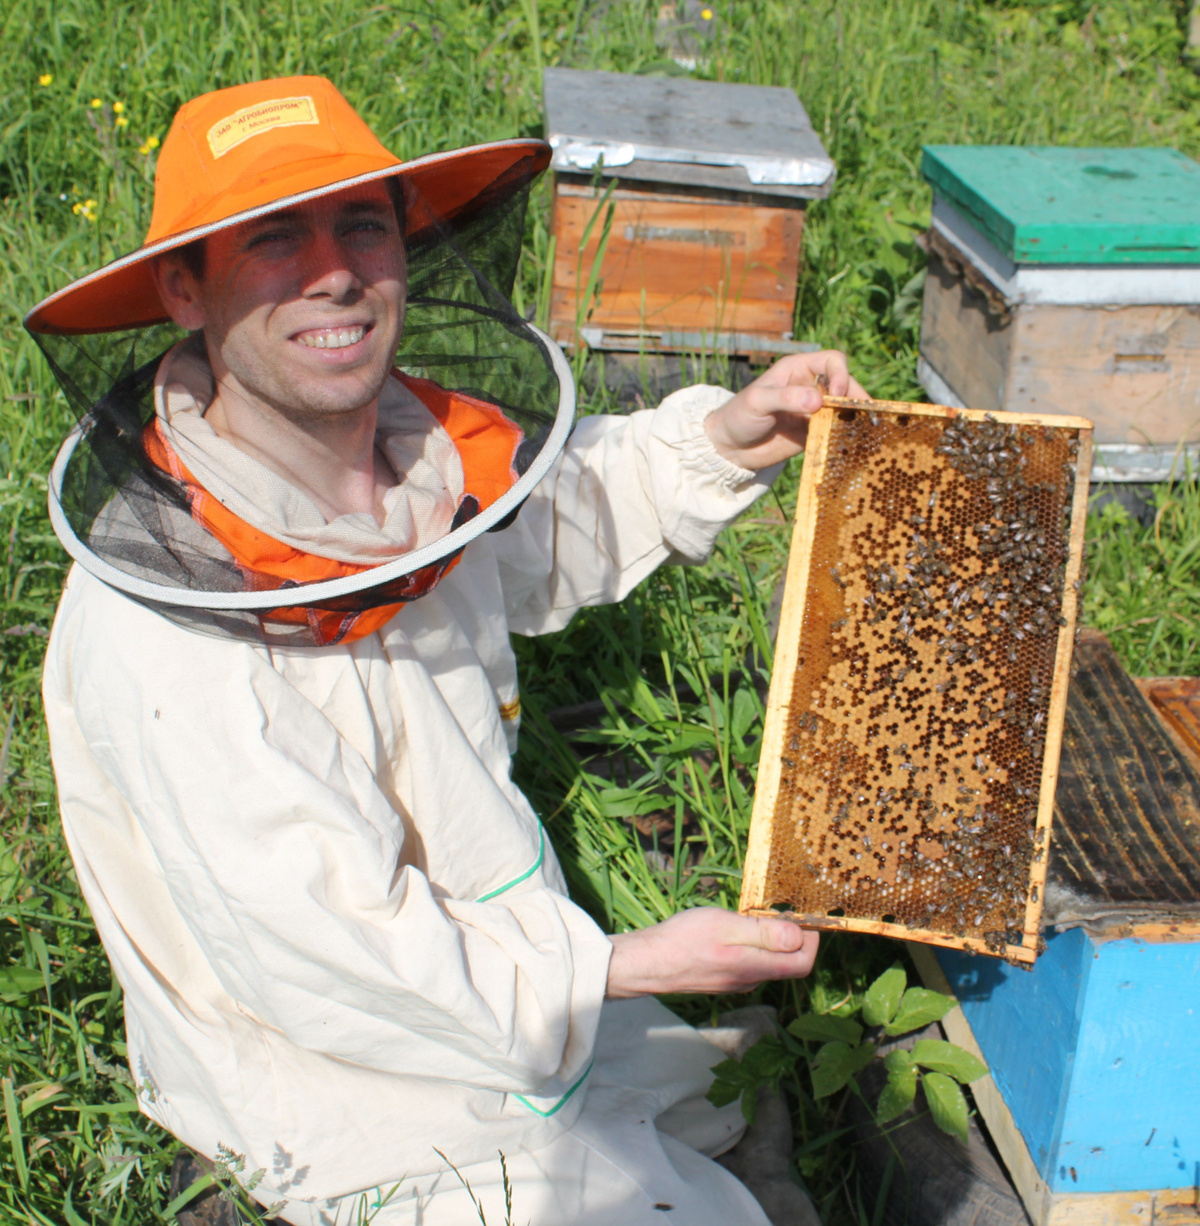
(333, 397)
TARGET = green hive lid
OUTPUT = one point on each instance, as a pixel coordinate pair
(1053, 205)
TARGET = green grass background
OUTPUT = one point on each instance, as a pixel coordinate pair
(668, 762)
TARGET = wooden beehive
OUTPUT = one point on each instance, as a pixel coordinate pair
(703, 248)
(911, 744)
(1068, 281)
(1092, 1087)
(1177, 701)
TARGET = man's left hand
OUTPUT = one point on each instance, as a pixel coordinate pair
(767, 421)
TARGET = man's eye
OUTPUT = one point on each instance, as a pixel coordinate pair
(270, 237)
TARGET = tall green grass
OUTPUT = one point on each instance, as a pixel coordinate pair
(643, 720)
(1144, 585)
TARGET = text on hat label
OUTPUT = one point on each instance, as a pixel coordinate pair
(250, 121)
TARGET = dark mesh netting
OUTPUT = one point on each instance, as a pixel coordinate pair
(130, 512)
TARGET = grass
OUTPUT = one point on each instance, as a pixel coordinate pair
(647, 795)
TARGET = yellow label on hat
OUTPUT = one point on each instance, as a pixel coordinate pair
(250, 121)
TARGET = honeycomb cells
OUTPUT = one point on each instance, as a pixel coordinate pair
(916, 731)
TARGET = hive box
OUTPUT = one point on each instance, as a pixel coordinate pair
(1094, 1077)
(1068, 281)
(703, 248)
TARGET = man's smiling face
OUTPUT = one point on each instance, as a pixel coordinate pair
(303, 308)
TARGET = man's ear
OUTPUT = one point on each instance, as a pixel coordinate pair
(179, 291)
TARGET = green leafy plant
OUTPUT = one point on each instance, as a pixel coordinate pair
(769, 1060)
(888, 1009)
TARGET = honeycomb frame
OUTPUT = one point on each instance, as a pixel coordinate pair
(913, 523)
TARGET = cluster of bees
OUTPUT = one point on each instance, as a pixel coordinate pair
(1027, 556)
(914, 763)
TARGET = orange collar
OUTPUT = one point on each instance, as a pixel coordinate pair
(487, 443)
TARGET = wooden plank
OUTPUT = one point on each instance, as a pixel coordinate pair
(1127, 827)
(1183, 931)
(963, 337)
(678, 251)
(650, 314)
(1006, 1136)
(677, 264)
(833, 769)
(1163, 1207)
(944, 412)
(1133, 370)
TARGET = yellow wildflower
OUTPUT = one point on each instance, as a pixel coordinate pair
(122, 122)
(85, 208)
(706, 14)
(118, 107)
(45, 78)
(97, 103)
(148, 145)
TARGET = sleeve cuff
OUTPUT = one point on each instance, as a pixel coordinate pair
(693, 405)
(696, 491)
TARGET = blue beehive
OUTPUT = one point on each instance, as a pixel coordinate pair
(1094, 1094)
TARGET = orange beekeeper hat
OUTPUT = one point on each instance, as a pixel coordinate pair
(239, 152)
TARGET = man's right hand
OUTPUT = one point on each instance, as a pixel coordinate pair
(708, 949)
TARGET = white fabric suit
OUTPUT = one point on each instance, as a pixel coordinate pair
(343, 938)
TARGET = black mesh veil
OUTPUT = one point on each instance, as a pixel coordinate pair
(132, 520)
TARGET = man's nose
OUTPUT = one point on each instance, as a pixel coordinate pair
(327, 269)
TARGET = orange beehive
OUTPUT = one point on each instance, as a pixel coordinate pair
(678, 211)
(910, 754)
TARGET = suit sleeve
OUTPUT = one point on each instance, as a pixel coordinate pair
(627, 495)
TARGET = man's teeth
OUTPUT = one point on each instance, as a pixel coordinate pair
(333, 338)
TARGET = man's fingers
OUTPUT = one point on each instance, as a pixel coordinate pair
(709, 949)
(768, 399)
(826, 372)
(825, 366)
(769, 961)
(836, 372)
(777, 936)
(789, 401)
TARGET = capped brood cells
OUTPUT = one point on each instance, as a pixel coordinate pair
(910, 753)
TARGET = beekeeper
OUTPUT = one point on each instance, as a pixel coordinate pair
(323, 469)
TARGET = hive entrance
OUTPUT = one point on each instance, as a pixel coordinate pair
(911, 748)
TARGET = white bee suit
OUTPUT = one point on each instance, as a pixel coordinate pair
(343, 938)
